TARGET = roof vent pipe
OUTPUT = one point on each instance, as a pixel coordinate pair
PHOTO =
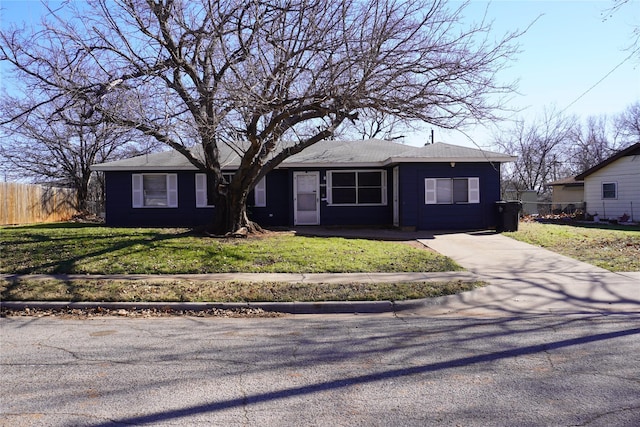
(432, 138)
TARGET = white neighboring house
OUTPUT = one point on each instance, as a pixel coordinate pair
(612, 187)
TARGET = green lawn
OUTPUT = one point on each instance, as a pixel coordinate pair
(94, 249)
(615, 248)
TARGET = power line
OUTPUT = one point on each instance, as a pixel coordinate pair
(631, 55)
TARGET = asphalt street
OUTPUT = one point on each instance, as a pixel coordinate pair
(331, 370)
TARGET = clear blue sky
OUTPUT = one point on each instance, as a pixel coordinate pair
(568, 50)
(566, 53)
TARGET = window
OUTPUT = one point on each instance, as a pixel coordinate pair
(260, 193)
(451, 190)
(202, 195)
(155, 190)
(609, 190)
(460, 190)
(357, 187)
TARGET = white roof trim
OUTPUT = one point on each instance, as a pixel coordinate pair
(107, 168)
(347, 154)
(494, 159)
(331, 165)
(307, 165)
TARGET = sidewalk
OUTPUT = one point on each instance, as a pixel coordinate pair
(264, 277)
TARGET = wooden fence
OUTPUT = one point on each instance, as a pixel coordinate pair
(30, 203)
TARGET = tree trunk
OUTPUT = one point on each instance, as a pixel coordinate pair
(230, 215)
(82, 194)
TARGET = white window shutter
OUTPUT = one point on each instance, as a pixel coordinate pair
(430, 191)
(201, 190)
(172, 190)
(474, 190)
(383, 178)
(137, 191)
(260, 193)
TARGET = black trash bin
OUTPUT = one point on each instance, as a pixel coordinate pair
(508, 215)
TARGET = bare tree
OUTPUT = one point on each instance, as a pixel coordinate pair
(627, 124)
(375, 124)
(267, 79)
(590, 144)
(42, 146)
(634, 44)
(541, 150)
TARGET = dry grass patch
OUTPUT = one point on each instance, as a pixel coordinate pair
(213, 291)
(612, 249)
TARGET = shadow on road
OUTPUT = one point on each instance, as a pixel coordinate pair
(370, 378)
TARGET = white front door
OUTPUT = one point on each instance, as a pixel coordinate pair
(306, 198)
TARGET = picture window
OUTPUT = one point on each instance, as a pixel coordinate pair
(357, 187)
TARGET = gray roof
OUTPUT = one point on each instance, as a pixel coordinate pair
(328, 153)
(569, 181)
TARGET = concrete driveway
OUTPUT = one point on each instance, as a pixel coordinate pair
(526, 279)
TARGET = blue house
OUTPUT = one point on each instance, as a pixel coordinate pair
(346, 183)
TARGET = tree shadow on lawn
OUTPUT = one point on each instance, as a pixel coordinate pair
(28, 238)
(366, 233)
(56, 225)
(66, 266)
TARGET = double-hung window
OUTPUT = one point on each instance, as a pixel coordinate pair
(203, 194)
(155, 190)
(365, 187)
(451, 190)
(609, 190)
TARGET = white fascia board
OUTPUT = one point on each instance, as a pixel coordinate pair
(151, 168)
(395, 160)
(116, 168)
(301, 165)
(304, 165)
(312, 165)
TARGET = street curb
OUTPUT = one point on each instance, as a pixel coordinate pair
(297, 307)
(319, 307)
